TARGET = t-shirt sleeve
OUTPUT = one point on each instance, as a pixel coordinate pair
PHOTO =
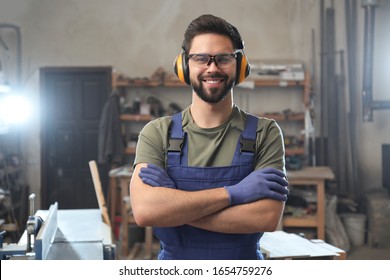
(151, 144)
(270, 146)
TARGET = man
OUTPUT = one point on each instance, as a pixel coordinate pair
(210, 179)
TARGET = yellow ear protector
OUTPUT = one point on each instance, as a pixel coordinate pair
(180, 66)
(243, 67)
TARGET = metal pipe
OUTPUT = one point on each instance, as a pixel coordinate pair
(350, 10)
(313, 161)
(18, 51)
(322, 92)
(342, 133)
(331, 94)
(369, 24)
(351, 14)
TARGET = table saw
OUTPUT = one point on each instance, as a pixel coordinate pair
(74, 234)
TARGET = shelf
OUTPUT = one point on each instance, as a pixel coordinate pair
(310, 221)
(120, 81)
(117, 81)
(282, 117)
(277, 83)
(136, 118)
(178, 83)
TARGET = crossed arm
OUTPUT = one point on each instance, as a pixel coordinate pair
(206, 209)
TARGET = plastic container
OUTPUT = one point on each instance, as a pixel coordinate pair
(355, 226)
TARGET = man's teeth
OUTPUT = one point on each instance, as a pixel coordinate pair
(212, 82)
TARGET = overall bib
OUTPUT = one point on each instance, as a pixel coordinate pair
(188, 242)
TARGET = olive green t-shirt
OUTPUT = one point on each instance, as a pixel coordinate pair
(210, 147)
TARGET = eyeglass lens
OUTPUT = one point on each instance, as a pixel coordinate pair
(219, 59)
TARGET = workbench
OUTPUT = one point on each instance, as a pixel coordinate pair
(281, 245)
(316, 177)
(122, 176)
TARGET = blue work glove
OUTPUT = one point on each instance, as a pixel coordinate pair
(264, 183)
(156, 176)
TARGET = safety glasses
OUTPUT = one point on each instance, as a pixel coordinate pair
(204, 60)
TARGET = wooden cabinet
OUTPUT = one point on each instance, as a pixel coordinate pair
(314, 177)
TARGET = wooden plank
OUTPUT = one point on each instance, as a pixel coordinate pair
(99, 192)
(112, 195)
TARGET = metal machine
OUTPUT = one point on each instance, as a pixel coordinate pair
(75, 234)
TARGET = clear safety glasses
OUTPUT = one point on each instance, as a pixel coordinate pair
(203, 60)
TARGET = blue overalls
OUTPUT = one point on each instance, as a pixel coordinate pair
(188, 242)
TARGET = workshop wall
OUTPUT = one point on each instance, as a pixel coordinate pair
(136, 37)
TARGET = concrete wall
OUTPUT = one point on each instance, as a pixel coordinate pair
(136, 37)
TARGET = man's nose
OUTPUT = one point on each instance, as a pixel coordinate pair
(212, 63)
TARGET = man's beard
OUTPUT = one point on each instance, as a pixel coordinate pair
(215, 95)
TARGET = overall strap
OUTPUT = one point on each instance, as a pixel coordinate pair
(246, 145)
(176, 138)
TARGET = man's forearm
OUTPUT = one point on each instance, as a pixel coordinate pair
(160, 206)
(260, 216)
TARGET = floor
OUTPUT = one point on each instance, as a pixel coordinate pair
(364, 252)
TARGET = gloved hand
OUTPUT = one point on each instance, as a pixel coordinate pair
(264, 183)
(156, 176)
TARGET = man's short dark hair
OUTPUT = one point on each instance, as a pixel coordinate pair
(211, 24)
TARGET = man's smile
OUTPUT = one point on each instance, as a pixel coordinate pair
(213, 80)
